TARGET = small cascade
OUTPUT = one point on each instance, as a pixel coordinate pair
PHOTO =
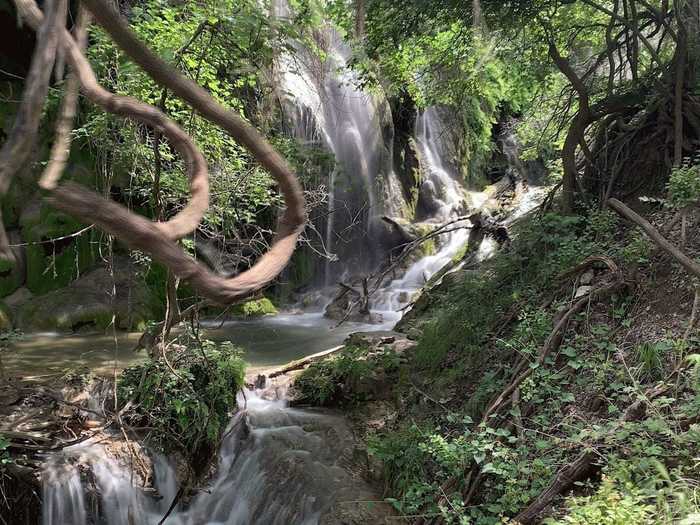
(277, 465)
(445, 198)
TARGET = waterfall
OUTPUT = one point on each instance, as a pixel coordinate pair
(445, 198)
(325, 106)
(277, 465)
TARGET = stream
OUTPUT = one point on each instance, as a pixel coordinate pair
(278, 465)
(266, 342)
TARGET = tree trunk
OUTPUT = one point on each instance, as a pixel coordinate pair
(359, 19)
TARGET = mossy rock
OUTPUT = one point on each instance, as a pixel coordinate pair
(255, 308)
(87, 303)
(53, 265)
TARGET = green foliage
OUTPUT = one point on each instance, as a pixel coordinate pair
(684, 185)
(188, 405)
(339, 379)
(650, 356)
(255, 308)
(610, 505)
(637, 252)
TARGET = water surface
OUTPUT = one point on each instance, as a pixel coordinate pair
(266, 341)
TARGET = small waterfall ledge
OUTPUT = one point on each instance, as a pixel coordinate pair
(277, 465)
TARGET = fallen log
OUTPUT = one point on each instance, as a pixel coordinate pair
(655, 236)
(584, 466)
(303, 363)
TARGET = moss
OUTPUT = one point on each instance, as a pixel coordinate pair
(10, 278)
(457, 257)
(255, 308)
(427, 248)
(53, 265)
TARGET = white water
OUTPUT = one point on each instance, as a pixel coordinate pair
(277, 466)
(326, 107)
(452, 201)
(450, 198)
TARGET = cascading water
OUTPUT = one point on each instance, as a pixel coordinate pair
(326, 107)
(445, 197)
(446, 200)
(277, 466)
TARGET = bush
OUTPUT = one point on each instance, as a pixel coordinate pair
(612, 504)
(334, 380)
(684, 185)
(189, 405)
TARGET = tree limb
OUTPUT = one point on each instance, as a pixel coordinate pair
(658, 239)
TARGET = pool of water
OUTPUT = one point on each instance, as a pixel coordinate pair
(266, 341)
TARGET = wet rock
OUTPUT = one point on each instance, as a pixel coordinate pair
(260, 382)
(18, 298)
(347, 306)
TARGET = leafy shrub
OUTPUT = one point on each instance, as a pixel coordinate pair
(189, 404)
(610, 505)
(331, 380)
(684, 185)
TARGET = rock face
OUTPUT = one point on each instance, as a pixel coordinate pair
(88, 303)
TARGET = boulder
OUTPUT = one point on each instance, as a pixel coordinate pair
(87, 303)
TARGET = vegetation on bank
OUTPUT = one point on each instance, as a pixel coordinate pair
(453, 452)
(184, 397)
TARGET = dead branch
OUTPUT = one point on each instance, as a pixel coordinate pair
(303, 363)
(655, 236)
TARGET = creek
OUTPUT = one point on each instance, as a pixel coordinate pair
(266, 342)
(281, 465)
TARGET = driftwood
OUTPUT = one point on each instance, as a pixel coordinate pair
(303, 363)
(655, 236)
